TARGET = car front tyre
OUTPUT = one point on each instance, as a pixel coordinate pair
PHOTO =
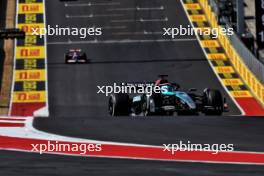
(119, 105)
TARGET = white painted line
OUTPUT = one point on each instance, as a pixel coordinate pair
(137, 9)
(142, 20)
(11, 121)
(91, 4)
(93, 15)
(29, 132)
(138, 33)
(114, 27)
(21, 119)
(119, 41)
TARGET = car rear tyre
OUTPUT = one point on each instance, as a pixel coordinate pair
(119, 105)
(214, 100)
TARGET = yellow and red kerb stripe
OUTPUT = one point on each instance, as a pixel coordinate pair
(29, 81)
(221, 64)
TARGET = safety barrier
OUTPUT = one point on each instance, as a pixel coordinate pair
(255, 84)
(255, 66)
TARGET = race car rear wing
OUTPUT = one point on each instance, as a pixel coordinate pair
(75, 50)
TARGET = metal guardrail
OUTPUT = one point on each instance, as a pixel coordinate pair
(255, 66)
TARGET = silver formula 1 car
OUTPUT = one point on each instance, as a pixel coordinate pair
(170, 100)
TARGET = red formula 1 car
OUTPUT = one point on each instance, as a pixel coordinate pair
(75, 56)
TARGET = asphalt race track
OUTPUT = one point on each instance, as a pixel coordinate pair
(32, 165)
(159, 130)
(131, 48)
(73, 88)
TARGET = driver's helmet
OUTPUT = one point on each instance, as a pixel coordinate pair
(162, 80)
(74, 55)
